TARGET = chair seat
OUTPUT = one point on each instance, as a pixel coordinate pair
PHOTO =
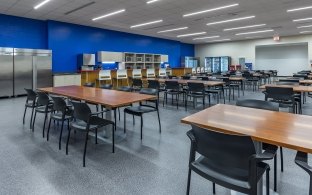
(81, 125)
(139, 110)
(29, 105)
(171, 91)
(213, 91)
(42, 109)
(58, 116)
(237, 177)
(196, 94)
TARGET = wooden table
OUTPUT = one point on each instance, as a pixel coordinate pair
(277, 128)
(305, 82)
(296, 88)
(184, 82)
(288, 130)
(111, 99)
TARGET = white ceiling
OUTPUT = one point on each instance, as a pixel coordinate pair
(270, 12)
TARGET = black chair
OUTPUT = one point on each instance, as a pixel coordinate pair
(30, 103)
(260, 104)
(186, 77)
(60, 112)
(125, 88)
(216, 90)
(43, 105)
(86, 121)
(106, 86)
(195, 90)
(89, 84)
(154, 84)
(173, 89)
(302, 161)
(143, 109)
(227, 160)
(285, 96)
(137, 84)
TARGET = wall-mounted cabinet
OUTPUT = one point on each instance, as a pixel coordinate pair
(104, 56)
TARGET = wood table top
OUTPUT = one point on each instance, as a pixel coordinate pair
(296, 88)
(308, 82)
(288, 130)
(184, 82)
(108, 98)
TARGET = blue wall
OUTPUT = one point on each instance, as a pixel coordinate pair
(68, 40)
(22, 33)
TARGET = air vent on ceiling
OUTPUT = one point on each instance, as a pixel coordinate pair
(232, 14)
(79, 8)
(155, 27)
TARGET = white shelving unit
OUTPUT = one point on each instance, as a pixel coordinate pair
(133, 60)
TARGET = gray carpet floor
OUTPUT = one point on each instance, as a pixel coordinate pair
(157, 165)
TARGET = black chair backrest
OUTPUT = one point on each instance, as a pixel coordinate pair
(300, 76)
(106, 86)
(226, 80)
(43, 99)
(137, 82)
(59, 104)
(81, 111)
(125, 89)
(294, 80)
(154, 84)
(231, 152)
(205, 78)
(31, 95)
(186, 77)
(196, 87)
(279, 93)
(173, 85)
(89, 84)
(149, 91)
(259, 104)
(286, 83)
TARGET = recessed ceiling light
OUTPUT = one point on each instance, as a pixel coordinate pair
(200, 38)
(152, 1)
(175, 29)
(109, 14)
(147, 23)
(243, 27)
(255, 32)
(303, 32)
(300, 8)
(218, 40)
(41, 4)
(302, 19)
(210, 10)
(192, 34)
(304, 26)
(231, 20)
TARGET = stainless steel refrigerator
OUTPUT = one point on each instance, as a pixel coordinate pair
(32, 69)
(6, 72)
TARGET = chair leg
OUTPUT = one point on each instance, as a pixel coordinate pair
(159, 121)
(24, 115)
(33, 122)
(85, 149)
(213, 188)
(61, 133)
(96, 137)
(188, 182)
(44, 124)
(124, 122)
(48, 132)
(67, 141)
(275, 173)
(31, 118)
(282, 159)
(113, 138)
(141, 127)
(268, 181)
(119, 113)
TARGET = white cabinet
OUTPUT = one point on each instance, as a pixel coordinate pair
(105, 56)
(164, 58)
(66, 80)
